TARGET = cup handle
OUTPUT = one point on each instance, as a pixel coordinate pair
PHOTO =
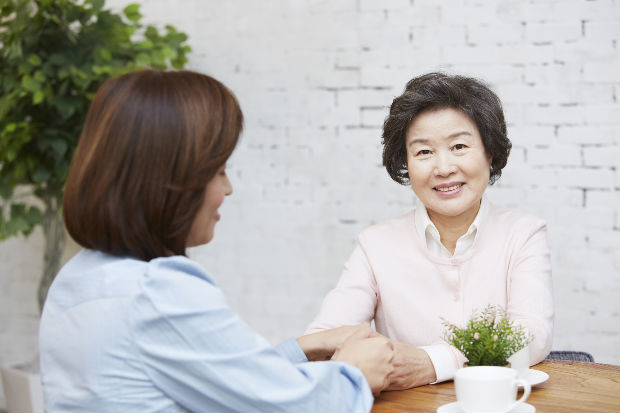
(526, 393)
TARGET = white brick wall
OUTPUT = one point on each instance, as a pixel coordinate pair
(315, 80)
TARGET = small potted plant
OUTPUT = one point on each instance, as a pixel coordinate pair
(489, 338)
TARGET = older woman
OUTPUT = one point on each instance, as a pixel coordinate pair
(130, 323)
(456, 251)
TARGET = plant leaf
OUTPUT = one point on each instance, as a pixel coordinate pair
(132, 12)
(38, 97)
(41, 174)
(34, 60)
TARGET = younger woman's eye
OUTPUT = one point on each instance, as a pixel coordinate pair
(459, 146)
(423, 152)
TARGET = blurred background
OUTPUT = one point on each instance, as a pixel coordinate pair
(315, 80)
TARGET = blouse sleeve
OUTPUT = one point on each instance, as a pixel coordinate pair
(291, 350)
(530, 298)
(203, 356)
(354, 299)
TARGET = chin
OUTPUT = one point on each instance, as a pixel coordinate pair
(208, 239)
(448, 213)
(198, 243)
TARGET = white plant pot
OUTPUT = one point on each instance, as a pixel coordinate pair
(22, 388)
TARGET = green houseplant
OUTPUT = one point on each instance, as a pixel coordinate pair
(489, 338)
(54, 55)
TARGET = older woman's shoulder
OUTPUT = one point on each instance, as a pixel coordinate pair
(399, 229)
(500, 216)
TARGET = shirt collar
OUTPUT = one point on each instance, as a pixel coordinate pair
(423, 223)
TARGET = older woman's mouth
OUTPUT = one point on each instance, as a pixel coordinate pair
(452, 186)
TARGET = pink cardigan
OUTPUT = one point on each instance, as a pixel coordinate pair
(391, 278)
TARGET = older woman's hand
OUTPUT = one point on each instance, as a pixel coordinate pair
(412, 367)
(322, 345)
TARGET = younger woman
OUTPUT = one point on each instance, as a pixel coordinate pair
(132, 324)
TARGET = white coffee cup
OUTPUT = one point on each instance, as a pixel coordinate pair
(520, 361)
(489, 389)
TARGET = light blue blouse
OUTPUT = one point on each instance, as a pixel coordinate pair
(119, 334)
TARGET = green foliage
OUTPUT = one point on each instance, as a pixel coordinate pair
(54, 54)
(489, 338)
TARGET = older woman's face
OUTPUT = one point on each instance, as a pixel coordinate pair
(203, 227)
(448, 165)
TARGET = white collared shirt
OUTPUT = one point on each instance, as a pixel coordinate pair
(440, 356)
(426, 230)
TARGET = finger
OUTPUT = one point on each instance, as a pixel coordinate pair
(346, 331)
(386, 383)
(379, 334)
(368, 331)
(359, 334)
(373, 333)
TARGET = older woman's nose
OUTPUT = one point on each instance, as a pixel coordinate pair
(444, 166)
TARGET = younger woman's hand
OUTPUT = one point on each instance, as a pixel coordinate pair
(322, 345)
(373, 356)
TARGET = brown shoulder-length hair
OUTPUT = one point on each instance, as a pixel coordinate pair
(151, 142)
(434, 91)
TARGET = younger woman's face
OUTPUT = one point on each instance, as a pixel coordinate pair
(203, 227)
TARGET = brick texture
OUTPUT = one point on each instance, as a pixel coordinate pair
(315, 80)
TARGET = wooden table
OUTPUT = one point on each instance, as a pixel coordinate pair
(573, 386)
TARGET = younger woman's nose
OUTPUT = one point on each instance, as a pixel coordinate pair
(229, 188)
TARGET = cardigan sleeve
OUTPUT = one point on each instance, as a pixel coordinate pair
(354, 299)
(530, 297)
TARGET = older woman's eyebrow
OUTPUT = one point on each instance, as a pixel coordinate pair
(450, 136)
(420, 140)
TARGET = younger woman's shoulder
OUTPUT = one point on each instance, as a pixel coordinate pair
(178, 265)
(179, 283)
(178, 272)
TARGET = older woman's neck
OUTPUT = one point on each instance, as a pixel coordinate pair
(451, 228)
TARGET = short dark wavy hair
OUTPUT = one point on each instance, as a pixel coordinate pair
(435, 91)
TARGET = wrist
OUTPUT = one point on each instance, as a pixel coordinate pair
(413, 367)
(313, 347)
(427, 369)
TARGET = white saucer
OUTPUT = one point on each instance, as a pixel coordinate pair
(455, 408)
(535, 376)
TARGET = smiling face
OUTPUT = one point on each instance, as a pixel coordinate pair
(447, 163)
(203, 227)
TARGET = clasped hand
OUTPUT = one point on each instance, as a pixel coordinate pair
(386, 364)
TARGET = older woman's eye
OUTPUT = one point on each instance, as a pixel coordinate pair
(423, 152)
(459, 146)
